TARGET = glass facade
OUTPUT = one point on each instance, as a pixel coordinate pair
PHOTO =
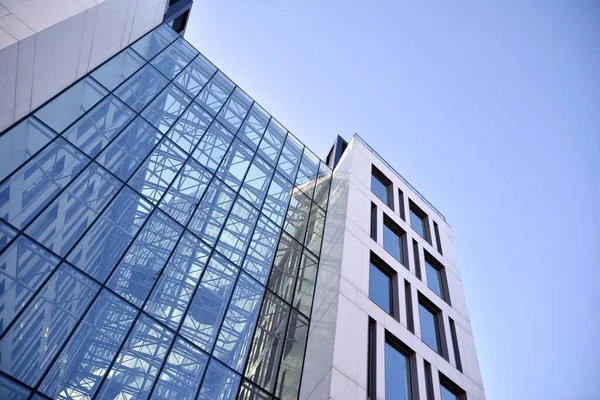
(160, 237)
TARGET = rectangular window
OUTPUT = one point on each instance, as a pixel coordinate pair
(393, 238)
(372, 361)
(455, 345)
(381, 287)
(418, 221)
(431, 326)
(450, 390)
(401, 204)
(410, 321)
(382, 187)
(398, 379)
(437, 237)
(428, 381)
(417, 259)
(436, 277)
(373, 221)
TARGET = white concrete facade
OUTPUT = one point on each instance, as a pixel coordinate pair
(45, 45)
(336, 364)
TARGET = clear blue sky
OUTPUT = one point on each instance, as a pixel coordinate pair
(493, 112)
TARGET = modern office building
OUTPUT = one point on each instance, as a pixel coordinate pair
(162, 236)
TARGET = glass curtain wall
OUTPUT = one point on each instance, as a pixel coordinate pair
(160, 237)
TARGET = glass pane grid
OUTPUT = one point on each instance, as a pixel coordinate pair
(132, 253)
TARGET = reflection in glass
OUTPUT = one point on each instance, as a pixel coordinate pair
(142, 87)
(380, 287)
(448, 394)
(417, 223)
(190, 128)
(166, 108)
(314, 232)
(235, 164)
(305, 287)
(219, 383)
(235, 110)
(397, 373)
(174, 58)
(429, 327)
(392, 241)
(262, 249)
(82, 363)
(212, 211)
(290, 371)
(296, 220)
(11, 390)
(380, 189)
(256, 182)
(213, 95)
(154, 42)
(434, 278)
(193, 78)
(254, 126)
(289, 161)
(250, 391)
(278, 196)
(213, 146)
(116, 70)
(272, 142)
(237, 231)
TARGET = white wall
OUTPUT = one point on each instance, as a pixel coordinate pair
(45, 45)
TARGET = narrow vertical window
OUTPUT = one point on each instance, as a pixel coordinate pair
(418, 221)
(455, 344)
(428, 381)
(401, 204)
(410, 320)
(417, 259)
(373, 221)
(372, 361)
(436, 277)
(438, 241)
(431, 326)
(393, 239)
(398, 374)
(382, 187)
(381, 286)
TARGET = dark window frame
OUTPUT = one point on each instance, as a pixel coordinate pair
(374, 221)
(417, 259)
(438, 241)
(372, 360)
(452, 387)
(401, 205)
(410, 318)
(393, 277)
(438, 315)
(424, 219)
(394, 227)
(443, 280)
(380, 176)
(409, 353)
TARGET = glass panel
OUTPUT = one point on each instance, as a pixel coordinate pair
(29, 190)
(288, 382)
(86, 358)
(202, 322)
(397, 377)
(20, 143)
(23, 267)
(118, 69)
(278, 196)
(11, 390)
(250, 391)
(189, 186)
(289, 161)
(380, 189)
(296, 220)
(237, 330)
(166, 108)
(142, 87)
(212, 211)
(235, 110)
(71, 104)
(309, 168)
(159, 170)
(7, 233)
(433, 278)
(98, 127)
(379, 288)
(417, 223)
(182, 373)
(137, 365)
(267, 345)
(138, 270)
(254, 126)
(172, 294)
(272, 142)
(155, 41)
(127, 152)
(235, 237)
(102, 246)
(212, 147)
(190, 128)
(195, 75)
(66, 219)
(314, 233)
(285, 267)
(257, 181)
(213, 95)
(235, 164)
(448, 394)
(322, 187)
(174, 58)
(220, 383)
(392, 242)
(305, 287)
(262, 249)
(40, 331)
(429, 327)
